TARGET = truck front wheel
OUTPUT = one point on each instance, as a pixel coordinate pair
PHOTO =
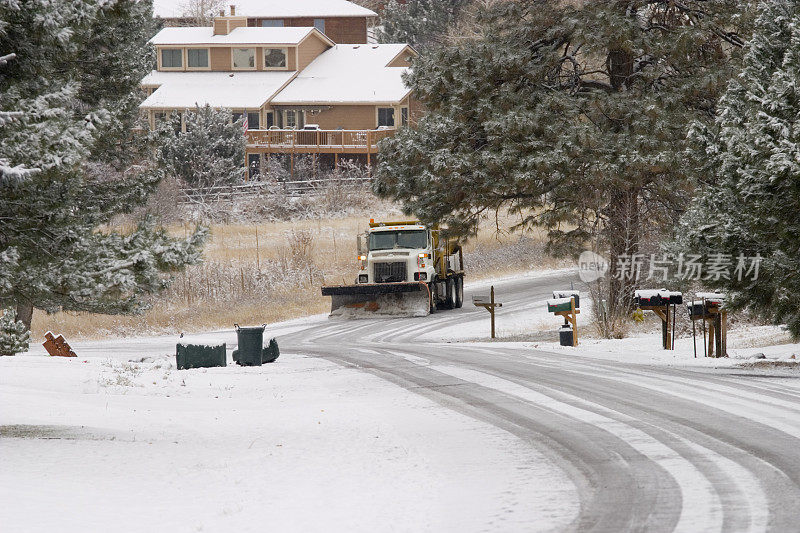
(459, 292)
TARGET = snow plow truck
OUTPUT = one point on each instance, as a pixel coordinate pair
(405, 269)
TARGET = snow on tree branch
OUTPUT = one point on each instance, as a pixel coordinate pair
(11, 175)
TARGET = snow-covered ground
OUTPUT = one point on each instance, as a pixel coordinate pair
(746, 346)
(120, 440)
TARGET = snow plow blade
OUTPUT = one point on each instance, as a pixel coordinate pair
(367, 299)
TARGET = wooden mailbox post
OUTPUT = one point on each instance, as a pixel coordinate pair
(566, 304)
(663, 303)
(487, 303)
(715, 323)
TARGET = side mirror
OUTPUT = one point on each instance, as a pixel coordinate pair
(361, 244)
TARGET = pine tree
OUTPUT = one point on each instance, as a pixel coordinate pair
(72, 84)
(749, 205)
(573, 117)
(419, 23)
(14, 336)
(210, 152)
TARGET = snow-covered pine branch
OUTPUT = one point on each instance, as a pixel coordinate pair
(10, 175)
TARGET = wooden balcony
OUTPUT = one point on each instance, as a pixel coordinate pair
(315, 141)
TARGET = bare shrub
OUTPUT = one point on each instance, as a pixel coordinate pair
(163, 201)
(610, 321)
(490, 255)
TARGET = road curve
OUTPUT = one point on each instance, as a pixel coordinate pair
(647, 448)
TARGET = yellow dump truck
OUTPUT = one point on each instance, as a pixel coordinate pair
(405, 268)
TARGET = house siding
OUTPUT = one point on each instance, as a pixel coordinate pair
(347, 30)
(403, 60)
(341, 30)
(348, 117)
(309, 49)
(220, 58)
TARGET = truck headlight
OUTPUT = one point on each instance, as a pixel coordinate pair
(420, 276)
(363, 278)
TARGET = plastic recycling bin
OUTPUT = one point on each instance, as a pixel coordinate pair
(251, 342)
(199, 355)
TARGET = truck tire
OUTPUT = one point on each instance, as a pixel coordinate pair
(433, 295)
(459, 292)
(451, 288)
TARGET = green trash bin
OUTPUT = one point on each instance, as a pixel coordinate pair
(199, 355)
(251, 342)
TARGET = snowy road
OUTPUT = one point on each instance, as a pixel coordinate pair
(646, 448)
(373, 425)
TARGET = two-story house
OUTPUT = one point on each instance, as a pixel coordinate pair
(342, 21)
(302, 93)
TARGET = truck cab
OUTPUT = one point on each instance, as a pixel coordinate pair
(397, 252)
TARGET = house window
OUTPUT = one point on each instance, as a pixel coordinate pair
(291, 120)
(171, 58)
(197, 57)
(237, 116)
(404, 116)
(320, 24)
(274, 58)
(244, 58)
(270, 119)
(278, 23)
(386, 116)
(253, 165)
(253, 121)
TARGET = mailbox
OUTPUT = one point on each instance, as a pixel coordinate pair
(657, 297)
(569, 294)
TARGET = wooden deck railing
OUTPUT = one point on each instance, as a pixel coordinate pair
(319, 141)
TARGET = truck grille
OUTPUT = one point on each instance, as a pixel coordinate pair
(390, 272)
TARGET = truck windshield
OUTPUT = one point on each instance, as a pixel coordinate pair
(386, 240)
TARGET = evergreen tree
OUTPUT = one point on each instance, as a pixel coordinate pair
(210, 152)
(419, 23)
(72, 84)
(750, 204)
(14, 337)
(573, 117)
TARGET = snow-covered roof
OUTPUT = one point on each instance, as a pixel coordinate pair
(348, 73)
(270, 8)
(244, 35)
(239, 90)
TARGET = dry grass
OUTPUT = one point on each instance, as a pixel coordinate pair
(272, 271)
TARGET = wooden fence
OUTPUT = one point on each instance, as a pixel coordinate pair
(260, 188)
